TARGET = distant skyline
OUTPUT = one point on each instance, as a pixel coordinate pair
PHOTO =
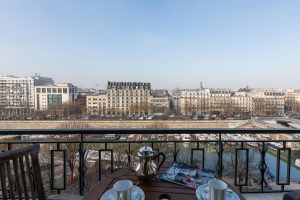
(170, 43)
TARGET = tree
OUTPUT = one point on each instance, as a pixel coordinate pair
(229, 170)
(259, 105)
(45, 158)
(72, 149)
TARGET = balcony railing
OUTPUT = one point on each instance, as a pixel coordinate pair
(251, 159)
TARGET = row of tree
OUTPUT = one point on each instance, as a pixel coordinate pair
(227, 107)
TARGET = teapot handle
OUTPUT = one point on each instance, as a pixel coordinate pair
(162, 161)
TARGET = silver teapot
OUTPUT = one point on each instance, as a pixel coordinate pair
(143, 164)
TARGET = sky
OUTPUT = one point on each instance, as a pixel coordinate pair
(170, 43)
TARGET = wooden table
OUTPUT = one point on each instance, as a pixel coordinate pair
(153, 188)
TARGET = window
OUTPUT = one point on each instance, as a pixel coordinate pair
(43, 90)
(54, 90)
(65, 90)
(54, 100)
(38, 90)
(59, 90)
(48, 90)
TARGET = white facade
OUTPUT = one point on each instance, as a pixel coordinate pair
(195, 101)
(292, 101)
(18, 92)
(54, 96)
(125, 98)
(220, 101)
(268, 102)
(160, 101)
(241, 102)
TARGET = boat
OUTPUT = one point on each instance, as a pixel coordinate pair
(186, 137)
(275, 145)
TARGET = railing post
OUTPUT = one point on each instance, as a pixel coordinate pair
(58, 148)
(81, 166)
(175, 152)
(263, 165)
(220, 157)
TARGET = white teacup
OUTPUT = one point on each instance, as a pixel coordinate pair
(217, 189)
(122, 190)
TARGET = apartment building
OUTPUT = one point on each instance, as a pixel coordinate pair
(292, 101)
(18, 92)
(96, 104)
(220, 101)
(54, 96)
(160, 101)
(241, 103)
(125, 98)
(175, 101)
(268, 102)
(195, 101)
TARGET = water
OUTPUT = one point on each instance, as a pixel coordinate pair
(271, 161)
(211, 160)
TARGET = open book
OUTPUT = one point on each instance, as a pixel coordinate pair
(186, 175)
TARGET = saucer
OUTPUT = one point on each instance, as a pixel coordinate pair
(136, 194)
(202, 193)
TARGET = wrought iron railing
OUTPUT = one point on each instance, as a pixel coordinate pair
(235, 159)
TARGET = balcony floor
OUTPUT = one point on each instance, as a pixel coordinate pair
(273, 196)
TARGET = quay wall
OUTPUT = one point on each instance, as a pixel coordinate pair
(53, 124)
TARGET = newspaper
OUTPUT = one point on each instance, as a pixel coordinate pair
(186, 175)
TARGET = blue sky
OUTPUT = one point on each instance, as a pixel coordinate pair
(169, 43)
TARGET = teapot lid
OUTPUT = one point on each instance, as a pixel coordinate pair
(145, 151)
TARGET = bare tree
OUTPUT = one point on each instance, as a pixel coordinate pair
(72, 149)
(241, 167)
(259, 105)
(45, 158)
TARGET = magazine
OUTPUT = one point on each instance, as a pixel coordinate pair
(186, 175)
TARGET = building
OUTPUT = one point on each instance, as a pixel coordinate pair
(125, 98)
(17, 93)
(55, 96)
(220, 101)
(175, 101)
(268, 102)
(292, 101)
(241, 103)
(160, 102)
(195, 101)
(96, 104)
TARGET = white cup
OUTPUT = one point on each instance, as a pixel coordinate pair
(122, 190)
(217, 189)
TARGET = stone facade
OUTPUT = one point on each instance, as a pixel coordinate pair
(124, 98)
(96, 105)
